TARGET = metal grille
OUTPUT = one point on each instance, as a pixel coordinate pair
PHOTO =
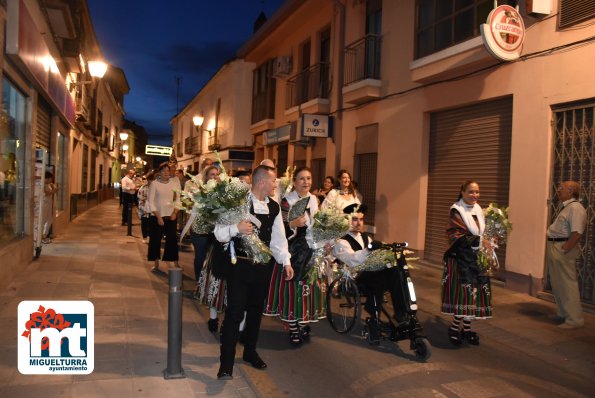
(574, 159)
(366, 170)
(472, 142)
(43, 130)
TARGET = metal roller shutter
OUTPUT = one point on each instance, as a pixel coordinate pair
(43, 130)
(471, 142)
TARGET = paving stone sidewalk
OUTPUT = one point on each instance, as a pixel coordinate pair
(95, 260)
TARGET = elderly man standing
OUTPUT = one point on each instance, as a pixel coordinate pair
(247, 282)
(128, 194)
(563, 238)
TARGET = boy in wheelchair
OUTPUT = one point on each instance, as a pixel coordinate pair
(351, 250)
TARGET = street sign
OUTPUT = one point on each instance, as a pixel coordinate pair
(158, 150)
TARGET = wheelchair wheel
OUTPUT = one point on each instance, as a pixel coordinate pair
(422, 348)
(342, 304)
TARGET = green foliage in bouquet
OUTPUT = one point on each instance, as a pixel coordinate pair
(496, 232)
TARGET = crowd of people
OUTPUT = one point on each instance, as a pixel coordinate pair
(279, 288)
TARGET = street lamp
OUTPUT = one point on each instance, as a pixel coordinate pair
(125, 147)
(96, 69)
(198, 121)
(123, 136)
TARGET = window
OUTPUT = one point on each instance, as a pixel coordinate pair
(263, 93)
(444, 23)
(575, 11)
(93, 159)
(62, 167)
(12, 163)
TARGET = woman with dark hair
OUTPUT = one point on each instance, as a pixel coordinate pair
(143, 209)
(466, 293)
(345, 195)
(297, 301)
(327, 185)
(161, 203)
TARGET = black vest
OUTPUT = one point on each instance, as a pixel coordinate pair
(266, 228)
(355, 244)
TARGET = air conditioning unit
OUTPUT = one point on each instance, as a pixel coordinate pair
(282, 66)
(81, 112)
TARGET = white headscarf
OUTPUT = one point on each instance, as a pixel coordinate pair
(467, 212)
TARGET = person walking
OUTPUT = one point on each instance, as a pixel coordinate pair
(344, 196)
(297, 301)
(562, 250)
(143, 208)
(246, 281)
(162, 204)
(128, 193)
(466, 292)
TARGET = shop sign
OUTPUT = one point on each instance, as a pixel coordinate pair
(503, 33)
(275, 136)
(315, 126)
(158, 150)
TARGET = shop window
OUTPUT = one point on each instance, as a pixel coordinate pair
(12, 163)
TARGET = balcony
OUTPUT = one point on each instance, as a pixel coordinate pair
(213, 141)
(362, 70)
(309, 89)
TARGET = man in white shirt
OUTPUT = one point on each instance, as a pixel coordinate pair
(247, 283)
(352, 250)
(128, 194)
(562, 250)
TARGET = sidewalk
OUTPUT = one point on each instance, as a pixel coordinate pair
(95, 260)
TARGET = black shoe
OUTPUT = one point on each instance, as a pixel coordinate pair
(295, 337)
(471, 337)
(305, 332)
(373, 331)
(454, 336)
(123, 223)
(254, 359)
(213, 325)
(224, 374)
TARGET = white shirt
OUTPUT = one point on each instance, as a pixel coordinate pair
(292, 198)
(347, 255)
(162, 197)
(572, 218)
(128, 185)
(333, 198)
(278, 244)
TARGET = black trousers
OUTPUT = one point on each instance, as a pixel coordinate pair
(126, 199)
(374, 284)
(144, 226)
(247, 288)
(156, 231)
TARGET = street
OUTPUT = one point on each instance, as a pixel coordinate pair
(521, 354)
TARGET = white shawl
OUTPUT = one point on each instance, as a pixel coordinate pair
(467, 212)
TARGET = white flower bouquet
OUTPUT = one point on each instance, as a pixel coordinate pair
(329, 225)
(226, 201)
(496, 232)
(286, 182)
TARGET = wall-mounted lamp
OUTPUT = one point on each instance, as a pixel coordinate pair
(198, 121)
(138, 159)
(123, 136)
(125, 147)
(96, 69)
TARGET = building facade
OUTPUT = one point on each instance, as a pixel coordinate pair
(57, 123)
(419, 105)
(217, 119)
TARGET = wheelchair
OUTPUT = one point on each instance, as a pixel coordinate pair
(344, 307)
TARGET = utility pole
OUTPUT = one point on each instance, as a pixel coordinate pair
(178, 80)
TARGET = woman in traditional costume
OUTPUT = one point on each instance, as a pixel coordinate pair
(466, 292)
(344, 196)
(298, 301)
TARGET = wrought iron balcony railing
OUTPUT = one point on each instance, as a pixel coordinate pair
(310, 83)
(362, 59)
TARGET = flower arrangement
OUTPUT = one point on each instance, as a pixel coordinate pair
(383, 258)
(329, 225)
(225, 201)
(286, 182)
(496, 232)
